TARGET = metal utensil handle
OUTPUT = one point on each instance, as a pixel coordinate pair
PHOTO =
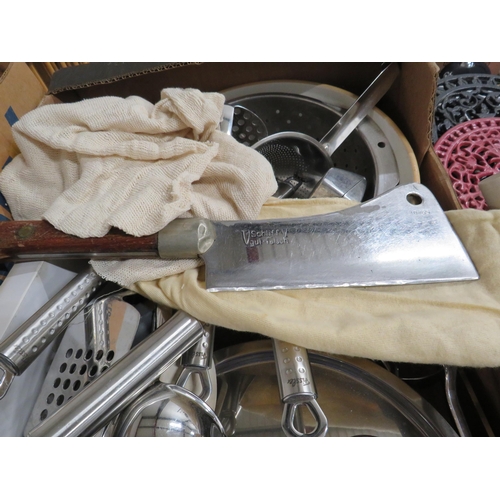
(226, 123)
(197, 360)
(99, 402)
(288, 420)
(24, 345)
(361, 107)
(296, 385)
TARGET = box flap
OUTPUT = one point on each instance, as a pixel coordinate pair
(20, 92)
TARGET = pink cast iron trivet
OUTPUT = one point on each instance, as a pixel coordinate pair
(470, 152)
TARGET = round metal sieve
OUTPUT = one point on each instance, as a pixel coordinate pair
(376, 149)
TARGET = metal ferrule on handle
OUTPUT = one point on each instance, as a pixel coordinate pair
(24, 345)
(99, 402)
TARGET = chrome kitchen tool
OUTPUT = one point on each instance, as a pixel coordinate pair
(401, 237)
(168, 410)
(290, 152)
(98, 403)
(363, 399)
(247, 127)
(24, 345)
(196, 363)
(338, 183)
(376, 149)
(226, 122)
(97, 338)
(243, 124)
(297, 391)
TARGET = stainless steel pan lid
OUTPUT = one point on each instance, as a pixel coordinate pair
(358, 397)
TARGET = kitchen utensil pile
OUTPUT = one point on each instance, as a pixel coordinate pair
(105, 380)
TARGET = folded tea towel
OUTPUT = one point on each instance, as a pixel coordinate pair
(443, 323)
(128, 163)
(131, 164)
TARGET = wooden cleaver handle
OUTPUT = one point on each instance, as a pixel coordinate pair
(39, 240)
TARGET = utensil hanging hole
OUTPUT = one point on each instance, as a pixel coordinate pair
(50, 398)
(99, 355)
(63, 367)
(57, 383)
(60, 400)
(414, 198)
(83, 369)
(77, 385)
(79, 353)
(110, 356)
(69, 353)
(66, 383)
(88, 354)
(44, 414)
(381, 145)
(93, 371)
(72, 368)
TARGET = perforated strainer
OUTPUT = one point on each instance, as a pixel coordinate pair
(293, 153)
(376, 149)
(98, 337)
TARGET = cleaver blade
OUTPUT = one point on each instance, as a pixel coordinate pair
(402, 237)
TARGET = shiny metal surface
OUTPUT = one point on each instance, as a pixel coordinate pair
(339, 183)
(99, 402)
(97, 338)
(226, 123)
(360, 108)
(297, 389)
(401, 237)
(297, 156)
(376, 149)
(196, 362)
(301, 155)
(247, 126)
(167, 410)
(359, 397)
(24, 345)
(453, 402)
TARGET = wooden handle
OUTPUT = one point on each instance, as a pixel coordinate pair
(39, 240)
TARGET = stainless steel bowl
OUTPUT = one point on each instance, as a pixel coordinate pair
(359, 397)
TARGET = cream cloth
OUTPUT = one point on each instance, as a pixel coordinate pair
(91, 165)
(445, 323)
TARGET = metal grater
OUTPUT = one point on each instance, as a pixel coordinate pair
(98, 337)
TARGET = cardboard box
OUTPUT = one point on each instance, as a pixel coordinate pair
(410, 102)
(20, 92)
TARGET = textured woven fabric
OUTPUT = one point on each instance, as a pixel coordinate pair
(442, 323)
(127, 163)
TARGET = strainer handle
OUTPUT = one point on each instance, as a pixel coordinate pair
(361, 107)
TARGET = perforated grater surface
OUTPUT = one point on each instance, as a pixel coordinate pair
(98, 337)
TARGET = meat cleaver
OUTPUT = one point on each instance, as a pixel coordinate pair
(401, 237)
